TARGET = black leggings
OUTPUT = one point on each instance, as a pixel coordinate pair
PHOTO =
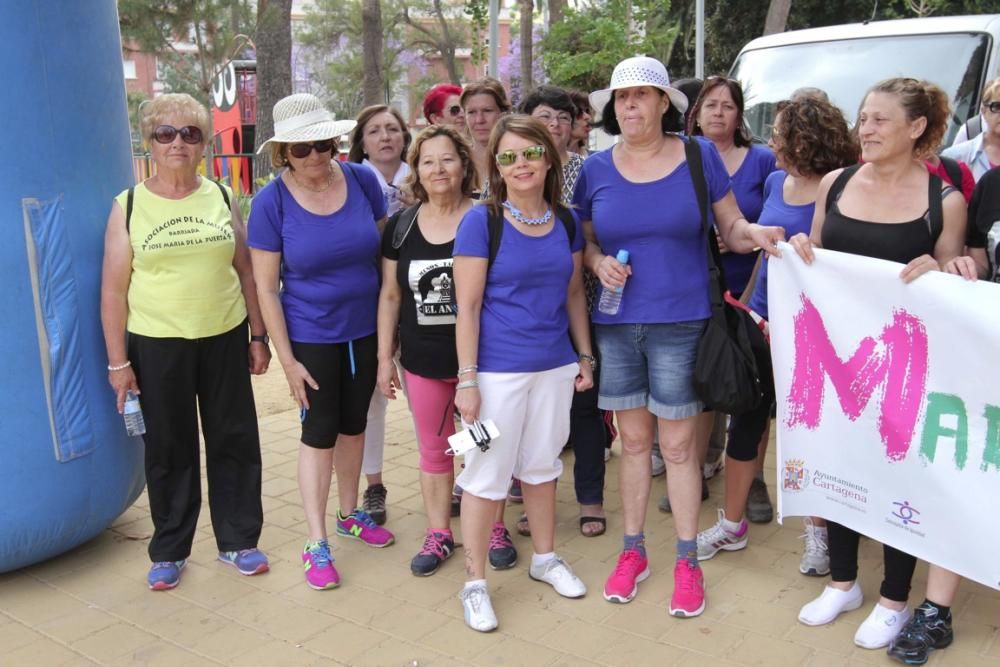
(746, 429)
(898, 566)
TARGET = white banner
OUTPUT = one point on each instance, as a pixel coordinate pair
(889, 405)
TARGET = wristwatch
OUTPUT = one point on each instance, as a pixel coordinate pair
(590, 359)
(260, 339)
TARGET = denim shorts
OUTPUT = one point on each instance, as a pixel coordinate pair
(649, 366)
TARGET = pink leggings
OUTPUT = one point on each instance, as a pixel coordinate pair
(432, 404)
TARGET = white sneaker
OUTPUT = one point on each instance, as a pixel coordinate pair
(478, 609)
(713, 468)
(659, 465)
(815, 560)
(830, 604)
(718, 538)
(881, 627)
(557, 573)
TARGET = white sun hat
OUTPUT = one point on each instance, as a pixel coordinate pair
(639, 71)
(302, 117)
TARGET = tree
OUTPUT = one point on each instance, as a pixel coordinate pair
(443, 34)
(371, 41)
(209, 26)
(777, 16)
(527, 16)
(274, 68)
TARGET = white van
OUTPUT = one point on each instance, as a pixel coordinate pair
(958, 53)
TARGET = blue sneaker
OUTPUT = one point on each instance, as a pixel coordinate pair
(248, 561)
(165, 575)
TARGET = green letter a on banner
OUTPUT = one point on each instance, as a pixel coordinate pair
(938, 406)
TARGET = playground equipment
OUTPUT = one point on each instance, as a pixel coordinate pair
(67, 468)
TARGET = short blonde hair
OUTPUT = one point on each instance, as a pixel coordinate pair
(182, 105)
(991, 91)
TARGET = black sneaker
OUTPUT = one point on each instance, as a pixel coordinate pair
(924, 632)
(759, 508)
(437, 548)
(456, 501)
(503, 554)
(664, 504)
(374, 503)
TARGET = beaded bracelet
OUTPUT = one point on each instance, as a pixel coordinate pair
(120, 368)
(467, 384)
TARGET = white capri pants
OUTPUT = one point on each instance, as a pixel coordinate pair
(531, 411)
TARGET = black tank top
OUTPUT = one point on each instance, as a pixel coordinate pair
(897, 242)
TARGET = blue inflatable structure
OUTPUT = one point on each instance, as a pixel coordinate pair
(67, 468)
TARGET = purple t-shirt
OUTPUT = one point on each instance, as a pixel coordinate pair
(794, 218)
(660, 225)
(524, 327)
(748, 188)
(329, 263)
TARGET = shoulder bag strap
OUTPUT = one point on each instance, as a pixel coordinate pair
(693, 153)
(128, 210)
(935, 208)
(404, 223)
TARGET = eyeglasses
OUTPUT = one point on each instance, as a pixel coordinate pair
(561, 118)
(303, 150)
(165, 134)
(992, 107)
(453, 110)
(531, 154)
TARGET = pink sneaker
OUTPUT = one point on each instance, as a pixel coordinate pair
(623, 583)
(360, 526)
(688, 599)
(318, 564)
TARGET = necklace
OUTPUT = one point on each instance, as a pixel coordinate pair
(515, 213)
(329, 182)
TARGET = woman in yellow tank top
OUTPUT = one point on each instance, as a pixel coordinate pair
(177, 292)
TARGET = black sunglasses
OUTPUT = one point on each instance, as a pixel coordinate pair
(303, 150)
(454, 110)
(992, 107)
(165, 134)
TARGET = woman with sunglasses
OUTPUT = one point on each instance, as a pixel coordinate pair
(417, 316)
(177, 292)
(442, 106)
(520, 303)
(648, 347)
(314, 231)
(982, 152)
(380, 141)
(483, 103)
(555, 108)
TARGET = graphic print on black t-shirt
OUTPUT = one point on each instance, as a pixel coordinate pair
(433, 290)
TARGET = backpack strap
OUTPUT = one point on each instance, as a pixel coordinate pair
(954, 171)
(838, 185)
(494, 229)
(404, 223)
(129, 200)
(225, 194)
(935, 208)
(569, 223)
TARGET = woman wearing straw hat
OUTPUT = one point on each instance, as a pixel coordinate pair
(648, 347)
(177, 279)
(315, 231)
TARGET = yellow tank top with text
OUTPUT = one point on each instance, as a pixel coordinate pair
(183, 281)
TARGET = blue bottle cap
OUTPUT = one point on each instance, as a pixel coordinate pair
(622, 256)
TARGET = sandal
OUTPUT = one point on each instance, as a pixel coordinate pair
(584, 520)
(522, 526)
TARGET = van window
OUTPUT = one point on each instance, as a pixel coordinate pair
(845, 69)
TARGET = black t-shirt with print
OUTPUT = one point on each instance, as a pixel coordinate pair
(427, 311)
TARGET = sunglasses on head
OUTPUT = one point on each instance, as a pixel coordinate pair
(165, 134)
(303, 150)
(992, 107)
(531, 154)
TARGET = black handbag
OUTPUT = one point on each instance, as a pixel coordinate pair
(726, 375)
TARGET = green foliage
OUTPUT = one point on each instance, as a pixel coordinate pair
(209, 26)
(478, 12)
(581, 50)
(134, 99)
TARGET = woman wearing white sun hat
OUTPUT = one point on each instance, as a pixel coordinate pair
(315, 231)
(639, 196)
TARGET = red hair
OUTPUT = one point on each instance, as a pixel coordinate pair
(436, 96)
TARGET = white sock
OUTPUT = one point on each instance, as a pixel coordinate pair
(539, 560)
(475, 583)
(731, 526)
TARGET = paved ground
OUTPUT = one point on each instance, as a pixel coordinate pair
(92, 606)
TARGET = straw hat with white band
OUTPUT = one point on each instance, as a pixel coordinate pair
(639, 71)
(301, 118)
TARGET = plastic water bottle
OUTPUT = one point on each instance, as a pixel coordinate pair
(611, 299)
(134, 423)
